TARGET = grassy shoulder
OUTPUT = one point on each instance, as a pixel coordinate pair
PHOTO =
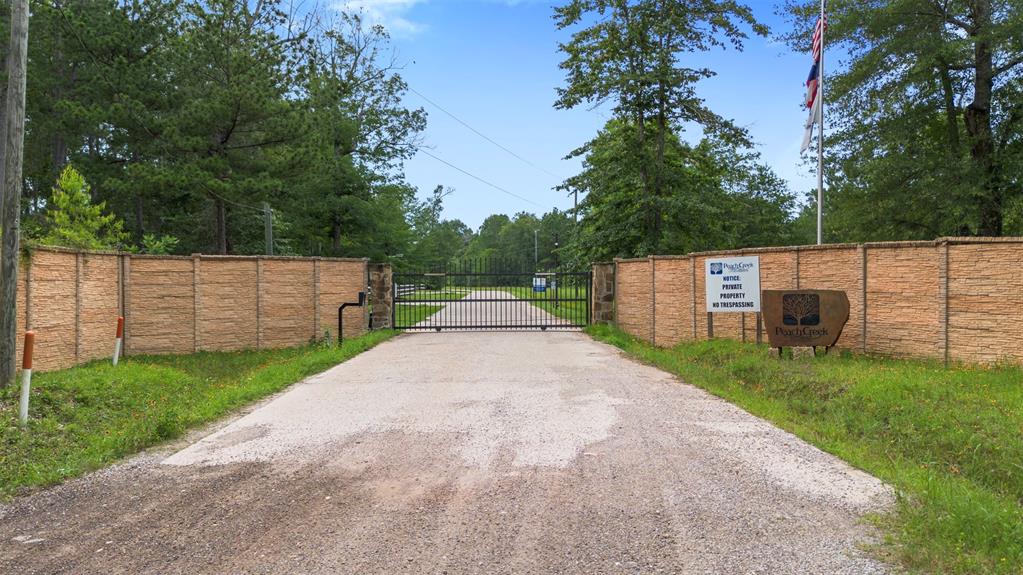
(574, 311)
(949, 440)
(411, 314)
(433, 295)
(89, 416)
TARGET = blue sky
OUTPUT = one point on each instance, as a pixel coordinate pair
(494, 65)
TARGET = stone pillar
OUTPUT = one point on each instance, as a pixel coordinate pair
(381, 294)
(603, 293)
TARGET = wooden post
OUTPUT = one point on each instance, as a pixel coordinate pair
(710, 325)
(10, 217)
(760, 328)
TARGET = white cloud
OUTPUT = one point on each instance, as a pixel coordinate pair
(391, 14)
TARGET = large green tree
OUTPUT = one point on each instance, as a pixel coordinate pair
(716, 198)
(187, 115)
(925, 116)
(357, 134)
(633, 54)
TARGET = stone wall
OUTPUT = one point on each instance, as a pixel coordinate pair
(381, 278)
(957, 299)
(603, 293)
(174, 304)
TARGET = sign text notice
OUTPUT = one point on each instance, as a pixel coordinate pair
(733, 284)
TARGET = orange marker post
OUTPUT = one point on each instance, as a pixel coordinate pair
(120, 339)
(26, 375)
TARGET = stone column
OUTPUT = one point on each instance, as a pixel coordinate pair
(381, 294)
(603, 293)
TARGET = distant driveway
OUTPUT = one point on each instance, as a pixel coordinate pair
(490, 308)
(466, 453)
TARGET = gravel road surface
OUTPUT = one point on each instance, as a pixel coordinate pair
(492, 308)
(465, 453)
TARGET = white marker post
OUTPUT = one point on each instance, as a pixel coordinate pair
(120, 339)
(26, 376)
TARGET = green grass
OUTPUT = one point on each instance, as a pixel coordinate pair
(447, 294)
(949, 440)
(89, 416)
(574, 311)
(407, 315)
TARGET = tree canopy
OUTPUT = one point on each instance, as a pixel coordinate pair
(926, 116)
(185, 117)
(646, 187)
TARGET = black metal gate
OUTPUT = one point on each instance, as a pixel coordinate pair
(488, 294)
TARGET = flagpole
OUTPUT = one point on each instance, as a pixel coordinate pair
(820, 140)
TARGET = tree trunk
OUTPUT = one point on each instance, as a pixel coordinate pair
(978, 124)
(14, 148)
(951, 112)
(221, 227)
(335, 236)
(140, 229)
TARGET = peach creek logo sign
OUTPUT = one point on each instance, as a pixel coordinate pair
(733, 284)
(801, 309)
(805, 318)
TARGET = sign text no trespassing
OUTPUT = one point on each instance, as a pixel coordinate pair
(733, 284)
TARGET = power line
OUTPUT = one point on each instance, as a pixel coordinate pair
(482, 135)
(496, 187)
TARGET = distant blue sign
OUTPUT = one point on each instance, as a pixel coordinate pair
(539, 284)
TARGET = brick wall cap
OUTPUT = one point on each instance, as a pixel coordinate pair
(984, 240)
(631, 260)
(63, 250)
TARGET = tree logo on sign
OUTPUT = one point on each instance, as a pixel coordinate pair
(801, 309)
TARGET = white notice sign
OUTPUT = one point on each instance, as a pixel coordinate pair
(733, 284)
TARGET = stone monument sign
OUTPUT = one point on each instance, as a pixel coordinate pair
(804, 318)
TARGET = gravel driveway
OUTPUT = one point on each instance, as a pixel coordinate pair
(465, 453)
(492, 307)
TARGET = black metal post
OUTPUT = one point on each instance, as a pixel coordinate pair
(341, 315)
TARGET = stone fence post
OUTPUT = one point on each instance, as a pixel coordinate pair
(603, 293)
(381, 294)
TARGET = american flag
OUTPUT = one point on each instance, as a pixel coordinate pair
(813, 82)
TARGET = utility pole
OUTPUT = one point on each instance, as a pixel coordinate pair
(557, 283)
(10, 224)
(268, 228)
(536, 252)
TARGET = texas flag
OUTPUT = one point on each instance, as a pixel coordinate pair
(812, 83)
